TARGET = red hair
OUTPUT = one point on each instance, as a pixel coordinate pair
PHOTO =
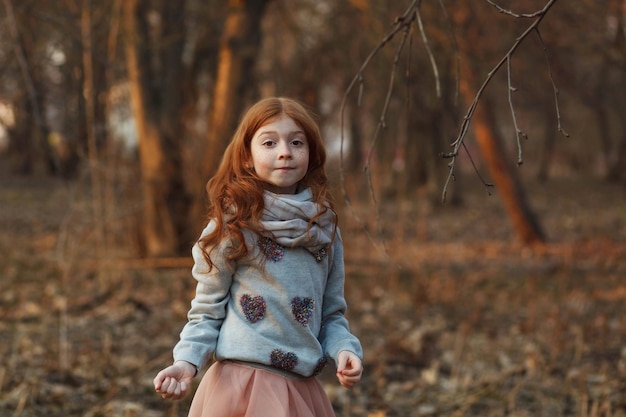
(236, 193)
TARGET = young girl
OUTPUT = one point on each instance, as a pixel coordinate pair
(269, 302)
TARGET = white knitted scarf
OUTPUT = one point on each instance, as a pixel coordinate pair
(287, 217)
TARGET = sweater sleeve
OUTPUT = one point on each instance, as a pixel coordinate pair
(335, 334)
(198, 338)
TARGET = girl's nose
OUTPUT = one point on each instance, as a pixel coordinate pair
(284, 151)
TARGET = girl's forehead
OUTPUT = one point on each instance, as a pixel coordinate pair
(281, 117)
(280, 121)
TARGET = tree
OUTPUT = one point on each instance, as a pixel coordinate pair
(589, 63)
(31, 131)
(154, 57)
(507, 183)
(238, 50)
(480, 114)
(193, 66)
(156, 100)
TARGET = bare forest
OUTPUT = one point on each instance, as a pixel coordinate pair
(477, 154)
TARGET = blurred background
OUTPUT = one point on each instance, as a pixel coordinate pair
(487, 282)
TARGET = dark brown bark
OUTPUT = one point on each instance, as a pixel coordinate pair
(237, 54)
(157, 222)
(33, 152)
(498, 162)
(238, 49)
(507, 183)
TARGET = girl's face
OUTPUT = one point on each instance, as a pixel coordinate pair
(280, 154)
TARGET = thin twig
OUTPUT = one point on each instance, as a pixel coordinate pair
(518, 132)
(401, 22)
(487, 185)
(554, 87)
(358, 78)
(455, 48)
(458, 142)
(516, 15)
(382, 124)
(431, 57)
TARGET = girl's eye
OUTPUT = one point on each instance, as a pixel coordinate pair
(268, 143)
(298, 142)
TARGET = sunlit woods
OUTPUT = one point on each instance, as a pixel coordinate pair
(113, 114)
(185, 72)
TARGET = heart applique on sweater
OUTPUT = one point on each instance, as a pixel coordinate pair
(283, 360)
(302, 309)
(253, 307)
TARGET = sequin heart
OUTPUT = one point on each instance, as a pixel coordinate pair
(302, 309)
(253, 307)
(321, 364)
(320, 255)
(283, 360)
(271, 249)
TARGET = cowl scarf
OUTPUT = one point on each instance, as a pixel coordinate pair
(287, 216)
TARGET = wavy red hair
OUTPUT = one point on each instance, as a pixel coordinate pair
(236, 193)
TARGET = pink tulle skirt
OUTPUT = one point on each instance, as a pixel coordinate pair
(231, 389)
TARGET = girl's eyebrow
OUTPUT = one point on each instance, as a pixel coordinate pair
(274, 132)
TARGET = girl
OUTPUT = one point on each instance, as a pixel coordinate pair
(269, 302)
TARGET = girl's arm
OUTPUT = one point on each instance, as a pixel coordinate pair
(198, 338)
(335, 336)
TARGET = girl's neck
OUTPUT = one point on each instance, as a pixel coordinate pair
(277, 190)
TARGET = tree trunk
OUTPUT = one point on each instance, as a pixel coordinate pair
(617, 165)
(36, 153)
(90, 122)
(238, 51)
(157, 224)
(239, 46)
(504, 177)
(508, 185)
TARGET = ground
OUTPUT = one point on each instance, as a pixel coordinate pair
(456, 317)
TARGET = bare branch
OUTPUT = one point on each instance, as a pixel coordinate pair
(518, 132)
(488, 185)
(431, 57)
(358, 78)
(554, 87)
(382, 124)
(516, 15)
(458, 142)
(402, 22)
(455, 48)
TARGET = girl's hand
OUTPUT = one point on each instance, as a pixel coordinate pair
(349, 368)
(174, 381)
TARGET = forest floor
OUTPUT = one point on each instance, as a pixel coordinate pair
(455, 316)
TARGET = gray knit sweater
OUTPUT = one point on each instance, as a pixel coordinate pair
(283, 306)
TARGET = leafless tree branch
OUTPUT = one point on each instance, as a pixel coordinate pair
(458, 142)
(402, 22)
(431, 57)
(518, 132)
(405, 23)
(554, 87)
(516, 15)
(455, 49)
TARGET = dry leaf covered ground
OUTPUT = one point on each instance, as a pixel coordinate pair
(455, 317)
